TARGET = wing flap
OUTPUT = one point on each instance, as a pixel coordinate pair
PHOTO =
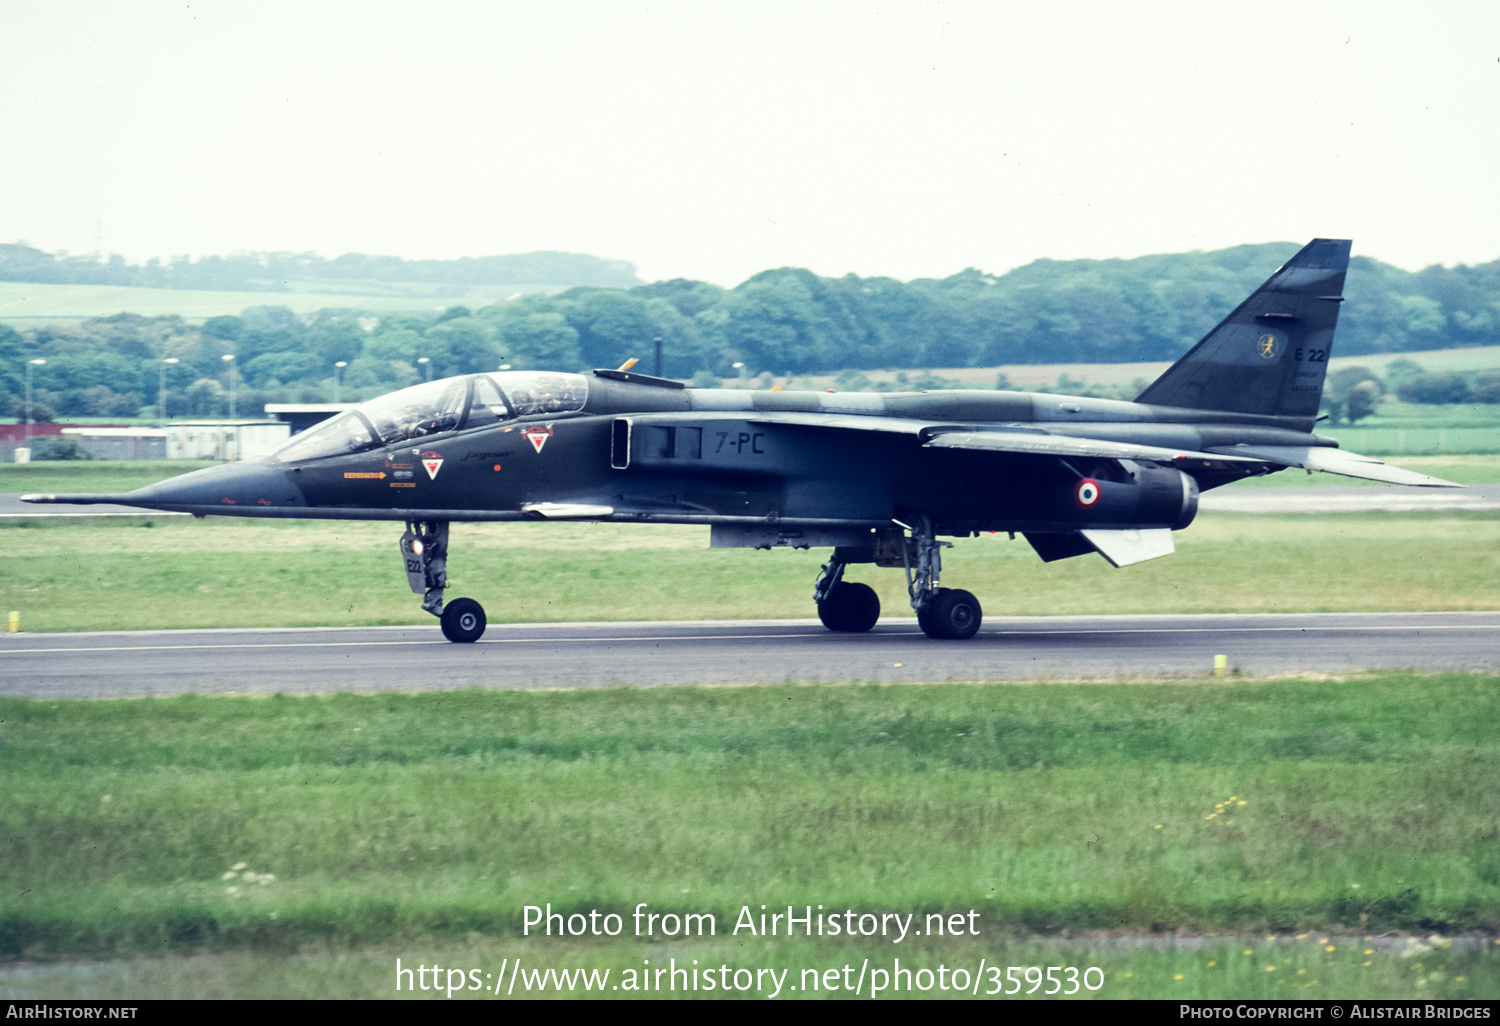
(1336, 461)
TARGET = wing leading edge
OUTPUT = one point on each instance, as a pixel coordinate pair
(1037, 442)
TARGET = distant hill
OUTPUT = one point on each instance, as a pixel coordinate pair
(352, 273)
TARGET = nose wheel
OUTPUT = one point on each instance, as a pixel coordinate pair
(463, 620)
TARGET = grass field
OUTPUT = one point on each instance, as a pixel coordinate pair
(132, 574)
(107, 476)
(28, 305)
(419, 826)
(1408, 429)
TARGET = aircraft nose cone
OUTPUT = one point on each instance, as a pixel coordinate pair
(228, 486)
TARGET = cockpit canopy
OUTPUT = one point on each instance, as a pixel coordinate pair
(437, 407)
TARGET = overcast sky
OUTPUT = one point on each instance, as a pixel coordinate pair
(715, 140)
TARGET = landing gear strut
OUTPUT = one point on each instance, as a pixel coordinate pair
(424, 549)
(844, 605)
(941, 612)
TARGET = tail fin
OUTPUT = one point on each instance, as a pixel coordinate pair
(1270, 355)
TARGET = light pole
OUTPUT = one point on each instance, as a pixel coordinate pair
(26, 414)
(739, 369)
(338, 377)
(161, 391)
(657, 340)
(424, 361)
(229, 359)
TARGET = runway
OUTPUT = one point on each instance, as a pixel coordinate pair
(372, 659)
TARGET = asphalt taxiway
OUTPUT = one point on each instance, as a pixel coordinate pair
(371, 659)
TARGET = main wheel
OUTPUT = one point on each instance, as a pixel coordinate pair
(953, 614)
(463, 620)
(850, 607)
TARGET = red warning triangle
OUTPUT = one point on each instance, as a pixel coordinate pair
(432, 467)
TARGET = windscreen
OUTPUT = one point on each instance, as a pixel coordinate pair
(339, 436)
(541, 392)
(426, 409)
(487, 406)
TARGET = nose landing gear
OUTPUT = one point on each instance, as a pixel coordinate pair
(424, 549)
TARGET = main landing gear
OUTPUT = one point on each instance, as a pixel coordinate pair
(844, 605)
(424, 549)
(941, 612)
(949, 613)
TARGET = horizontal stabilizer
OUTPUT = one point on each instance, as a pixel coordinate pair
(1335, 461)
(1123, 548)
(1120, 547)
(1055, 545)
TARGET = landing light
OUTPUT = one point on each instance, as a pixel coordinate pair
(416, 546)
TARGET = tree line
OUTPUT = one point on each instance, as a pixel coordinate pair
(275, 272)
(785, 322)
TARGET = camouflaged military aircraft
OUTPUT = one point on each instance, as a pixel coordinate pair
(877, 477)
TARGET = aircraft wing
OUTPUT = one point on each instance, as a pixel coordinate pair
(1335, 461)
(1041, 443)
(1002, 438)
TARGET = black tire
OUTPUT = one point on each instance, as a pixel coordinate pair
(924, 620)
(463, 620)
(852, 608)
(831, 613)
(954, 615)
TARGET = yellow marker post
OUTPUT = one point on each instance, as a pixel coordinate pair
(15, 621)
(1220, 663)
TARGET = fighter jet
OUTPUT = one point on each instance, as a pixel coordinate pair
(876, 477)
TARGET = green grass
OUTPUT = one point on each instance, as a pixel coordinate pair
(92, 475)
(132, 574)
(1407, 429)
(409, 824)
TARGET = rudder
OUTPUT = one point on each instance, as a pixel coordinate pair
(1270, 355)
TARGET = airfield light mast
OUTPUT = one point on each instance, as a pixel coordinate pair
(338, 378)
(428, 364)
(26, 414)
(229, 359)
(161, 390)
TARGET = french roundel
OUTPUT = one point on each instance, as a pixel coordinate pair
(1087, 493)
